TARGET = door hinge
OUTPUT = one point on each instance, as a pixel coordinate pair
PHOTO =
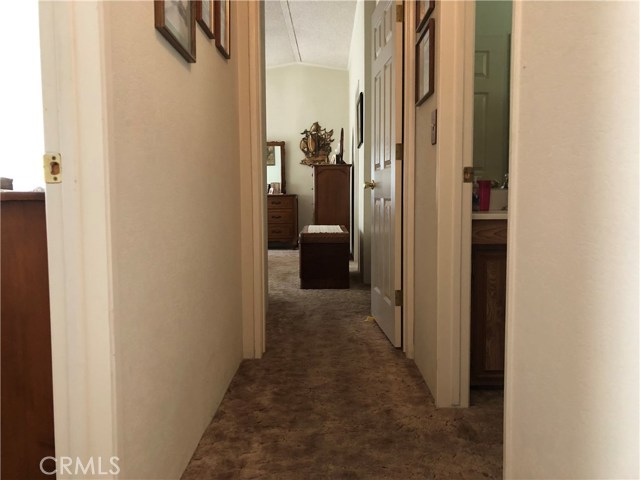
(399, 13)
(467, 175)
(399, 152)
(398, 298)
(52, 164)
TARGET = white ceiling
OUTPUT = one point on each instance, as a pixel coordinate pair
(315, 32)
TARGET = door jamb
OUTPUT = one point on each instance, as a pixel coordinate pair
(251, 88)
(408, 183)
(75, 88)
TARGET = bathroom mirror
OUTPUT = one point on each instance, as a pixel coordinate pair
(492, 90)
(275, 164)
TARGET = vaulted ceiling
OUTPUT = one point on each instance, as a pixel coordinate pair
(314, 32)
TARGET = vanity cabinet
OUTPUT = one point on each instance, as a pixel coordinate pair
(282, 220)
(488, 295)
(332, 195)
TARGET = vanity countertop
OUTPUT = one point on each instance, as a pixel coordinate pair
(490, 215)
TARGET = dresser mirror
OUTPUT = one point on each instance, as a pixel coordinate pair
(275, 166)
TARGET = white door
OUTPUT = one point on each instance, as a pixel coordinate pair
(386, 242)
(491, 106)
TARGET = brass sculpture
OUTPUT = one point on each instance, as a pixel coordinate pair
(316, 145)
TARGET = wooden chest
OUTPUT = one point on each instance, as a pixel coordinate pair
(324, 259)
(282, 220)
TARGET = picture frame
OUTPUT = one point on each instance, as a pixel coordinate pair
(205, 16)
(271, 156)
(423, 12)
(360, 119)
(425, 60)
(223, 27)
(176, 22)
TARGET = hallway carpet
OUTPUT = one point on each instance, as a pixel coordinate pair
(332, 399)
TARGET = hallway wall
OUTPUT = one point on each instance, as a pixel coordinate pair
(572, 365)
(174, 186)
(359, 78)
(297, 96)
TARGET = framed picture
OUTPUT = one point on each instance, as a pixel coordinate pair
(176, 21)
(423, 11)
(223, 27)
(425, 56)
(271, 156)
(360, 119)
(205, 16)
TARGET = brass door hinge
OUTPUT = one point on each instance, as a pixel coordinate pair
(399, 152)
(399, 13)
(52, 164)
(398, 298)
(467, 175)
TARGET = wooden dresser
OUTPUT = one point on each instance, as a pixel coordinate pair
(332, 195)
(488, 295)
(27, 392)
(282, 220)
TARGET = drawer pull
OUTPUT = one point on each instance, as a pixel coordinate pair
(275, 203)
(276, 216)
(277, 231)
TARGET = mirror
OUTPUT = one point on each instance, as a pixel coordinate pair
(492, 90)
(275, 165)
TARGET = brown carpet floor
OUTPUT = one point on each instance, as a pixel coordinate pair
(332, 399)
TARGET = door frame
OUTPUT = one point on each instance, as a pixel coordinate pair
(254, 108)
(74, 84)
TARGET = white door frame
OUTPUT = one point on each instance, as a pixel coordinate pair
(78, 235)
(251, 91)
(408, 183)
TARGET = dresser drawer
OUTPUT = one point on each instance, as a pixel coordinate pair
(280, 216)
(277, 202)
(280, 232)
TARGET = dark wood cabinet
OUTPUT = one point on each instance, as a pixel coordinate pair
(488, 295)
(282, 220)
(332, 195)
(26, 381)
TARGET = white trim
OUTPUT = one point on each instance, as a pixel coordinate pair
(78, 228)
(252, 147)
(514, 154)
(465, 230)
(450, 85)
(409, 184)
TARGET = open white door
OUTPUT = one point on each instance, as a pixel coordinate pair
(386, 241)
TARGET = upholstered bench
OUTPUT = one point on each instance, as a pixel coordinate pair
(324, 256)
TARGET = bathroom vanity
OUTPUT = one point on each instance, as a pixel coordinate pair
(488, 295)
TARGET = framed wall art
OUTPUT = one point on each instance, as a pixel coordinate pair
(176, 21)
(360, 119)
(425, 59)
(223, 27)
(423, 11)
(205, 16)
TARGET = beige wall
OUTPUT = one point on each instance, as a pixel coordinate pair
(174, 186)
(297, 96)
(571, 398)
(359, 76)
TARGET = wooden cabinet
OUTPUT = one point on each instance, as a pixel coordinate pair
(282, 220)
(488, 295)
(332, 195)
(26, 381)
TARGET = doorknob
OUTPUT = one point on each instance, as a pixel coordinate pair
(372, 184)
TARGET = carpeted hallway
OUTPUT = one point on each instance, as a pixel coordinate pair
(332, 399)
